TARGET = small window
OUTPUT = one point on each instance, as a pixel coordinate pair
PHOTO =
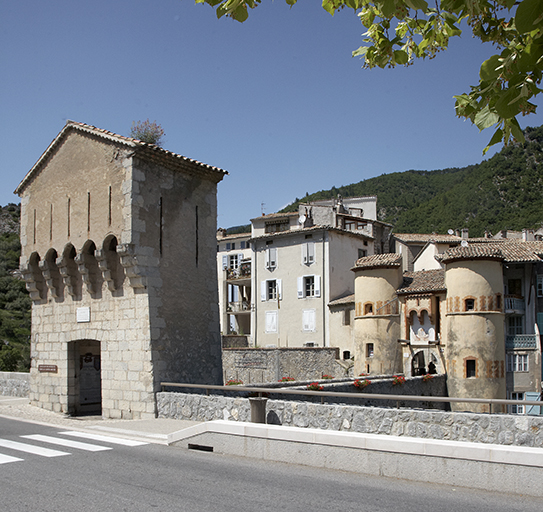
(228, 246)
(233, 261)
(368, 309)
(309, 286)
(272, 290)
(514, 325)
(362, 253)
(540, 286)
(271, 258)
(233, 245)
(347, 317)
(517, 362)
(516, 409)
(243, 245)
(346, 355)
(471, 368)
(470, 304)
(498, 302)
(369, 350)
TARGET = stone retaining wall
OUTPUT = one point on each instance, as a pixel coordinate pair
(14, 384)
(479, 428)
(252, 365)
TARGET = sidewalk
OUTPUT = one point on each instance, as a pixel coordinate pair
(152, 431)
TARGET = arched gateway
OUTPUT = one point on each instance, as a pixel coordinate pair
(118, 253)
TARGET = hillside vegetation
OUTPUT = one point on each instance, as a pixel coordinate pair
(504, 192)
(14, 299)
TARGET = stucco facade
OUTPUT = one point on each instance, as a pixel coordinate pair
(119, 256)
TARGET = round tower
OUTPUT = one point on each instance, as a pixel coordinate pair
(474, 325)
(377, 318)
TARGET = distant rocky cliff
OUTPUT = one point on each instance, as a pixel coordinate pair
(9, 218)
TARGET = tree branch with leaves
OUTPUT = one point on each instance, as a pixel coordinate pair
(400, 31)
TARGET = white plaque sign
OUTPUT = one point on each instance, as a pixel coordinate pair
(83, 315)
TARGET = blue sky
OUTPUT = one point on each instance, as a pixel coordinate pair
(277, 101)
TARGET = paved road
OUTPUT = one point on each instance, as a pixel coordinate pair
(102, 475)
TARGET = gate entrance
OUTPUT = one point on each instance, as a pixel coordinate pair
(85, 387)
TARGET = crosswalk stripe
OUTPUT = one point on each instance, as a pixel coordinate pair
(68, 443)
(30, 448)
(4, 459)
(106, 439)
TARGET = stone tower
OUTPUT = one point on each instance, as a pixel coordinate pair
(377, 318)
(475, 348)
(119, 256)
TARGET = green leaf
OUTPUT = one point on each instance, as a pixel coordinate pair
(485, 118)
(489, 67)
(401, 57)
(417, 4)
(508, 105)
(527, 14)
(240, 14)
(388, 8)
(497, 137)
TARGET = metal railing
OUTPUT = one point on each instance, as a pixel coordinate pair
(521, 341)
(323, 394)
(513, 303)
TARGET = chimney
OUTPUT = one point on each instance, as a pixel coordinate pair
(465, 233)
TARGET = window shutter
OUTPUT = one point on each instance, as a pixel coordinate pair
(279, 289)
(263, 290)
(304, 254)
(273, 257)
(271, 321)
(224, 261)
(240, 257)
(308, 319)
(317, 286)
(300, 287)
(311, 252)
(532, 410)
(228, 246)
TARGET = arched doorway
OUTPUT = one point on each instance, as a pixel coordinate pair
(418, 365)
(85, 377)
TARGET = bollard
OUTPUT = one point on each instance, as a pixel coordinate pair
(258, 409)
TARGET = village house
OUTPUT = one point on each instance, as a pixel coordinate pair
(474, 311)
(298, 266)
(119, 255)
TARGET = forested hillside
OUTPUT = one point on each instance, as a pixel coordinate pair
(14, 299)
(504, 192)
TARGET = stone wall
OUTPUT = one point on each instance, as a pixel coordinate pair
(271, 364)
(431, 424)
(14, 384)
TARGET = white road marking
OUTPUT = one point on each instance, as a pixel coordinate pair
(30, 448)
(106, 439)
(68, 443)
(4, 459)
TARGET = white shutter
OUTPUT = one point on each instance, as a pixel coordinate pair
(300, 287)
(272, 258)
(263, 291)
(224, 262)
(240, 257)
(279, 288)
(308, 319)
(317, 286)
(304, 254)
(271, 321)
(310, 253)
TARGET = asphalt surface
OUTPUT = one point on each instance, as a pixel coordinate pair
(55, 463)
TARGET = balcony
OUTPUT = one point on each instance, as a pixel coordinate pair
(242, 273)
(514, 304)
(521, 341)
(241, 306)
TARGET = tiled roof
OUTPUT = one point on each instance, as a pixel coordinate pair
(471, 252)
(423, 238)
(312, 229)
(273, 216)
(349, 299)
(508, 250)
(145, 150)
(422, 281)
(378, 261)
